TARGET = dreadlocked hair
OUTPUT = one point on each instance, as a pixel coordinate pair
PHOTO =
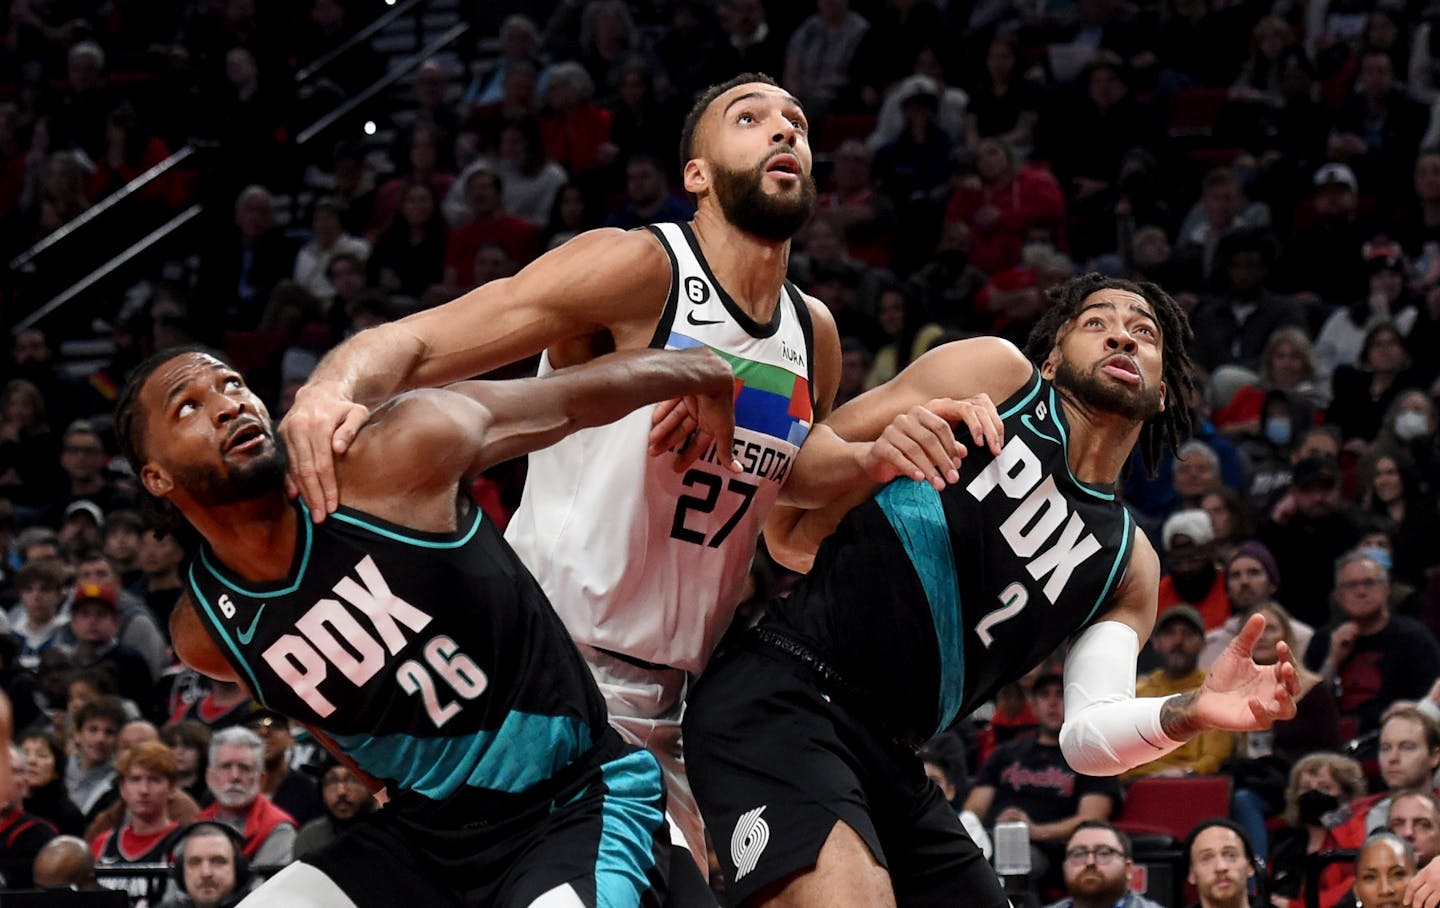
(164, 518)
(1172, 425)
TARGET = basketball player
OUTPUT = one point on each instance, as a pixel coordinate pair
(407, 635)
(644, 560)
(923, 603)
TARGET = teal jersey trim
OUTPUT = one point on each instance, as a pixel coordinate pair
(523, 751)
(413, 540)
(916, 515)
(1121, 558)
(220, 630)
(299, 575)
(629, 819)
(1024, 401)
(1065, 445)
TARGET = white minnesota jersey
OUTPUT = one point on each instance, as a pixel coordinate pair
(641, 560)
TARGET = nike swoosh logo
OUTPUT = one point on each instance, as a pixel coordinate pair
(249, 633)
(690, 317)
(1031, 426)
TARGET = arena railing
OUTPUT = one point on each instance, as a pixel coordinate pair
(25, 260)
(105, 270)
(308, 72)
(318, 128)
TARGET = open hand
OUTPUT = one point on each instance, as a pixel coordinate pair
(920, 443)
(319, 427)
(1241, 695)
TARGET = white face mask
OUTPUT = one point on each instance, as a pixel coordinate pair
(1411, 424)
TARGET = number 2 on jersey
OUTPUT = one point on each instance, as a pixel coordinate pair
(1013, 600)
(707, 504)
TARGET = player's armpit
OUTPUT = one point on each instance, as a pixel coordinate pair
(193, 645)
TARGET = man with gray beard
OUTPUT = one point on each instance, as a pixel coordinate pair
(237, 756)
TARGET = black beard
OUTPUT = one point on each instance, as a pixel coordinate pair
(257, 477)
(1091, 391)
(1192, 586)
(742, 198)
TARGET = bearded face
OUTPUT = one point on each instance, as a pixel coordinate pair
(746, 204)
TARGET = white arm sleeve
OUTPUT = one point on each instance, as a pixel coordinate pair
(1107, 729)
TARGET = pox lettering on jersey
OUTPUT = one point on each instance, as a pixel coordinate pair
(304, 658)
(1042, 529)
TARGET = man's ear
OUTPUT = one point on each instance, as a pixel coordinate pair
(1051, 364)
(156, 481)
(696, 176)
(1164, 395)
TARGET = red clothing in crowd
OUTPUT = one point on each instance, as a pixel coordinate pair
(1032, 198)
(518, 237)
(1214, 608)
(262, 819)
(573, 138)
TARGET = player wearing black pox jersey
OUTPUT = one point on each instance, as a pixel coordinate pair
(409, 637)
(926, 597)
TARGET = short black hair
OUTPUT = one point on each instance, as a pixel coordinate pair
(128, 415)
(1211, 823)
(703, 102)
(1171, 425)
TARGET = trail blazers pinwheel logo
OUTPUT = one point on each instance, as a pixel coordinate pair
(751, 836)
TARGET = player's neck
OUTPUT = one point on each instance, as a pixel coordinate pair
(1100, 442)
(749, 268)
(253, 539)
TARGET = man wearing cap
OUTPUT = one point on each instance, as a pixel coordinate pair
(293, 792)
(1251, 580)
(1372, 656)
(1320, 258)
(80, 527)
(1178, 638)
(1193, 579)
(95, 625)
(138, 629)
(1028, 781)
(1306, 532)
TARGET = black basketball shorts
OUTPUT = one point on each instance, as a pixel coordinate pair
(776, 760)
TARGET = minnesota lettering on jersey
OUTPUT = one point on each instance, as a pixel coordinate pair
(303, 659)
(756, 459)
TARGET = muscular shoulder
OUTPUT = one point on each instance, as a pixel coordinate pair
(430, 420)
(629, 268)
(991, 365)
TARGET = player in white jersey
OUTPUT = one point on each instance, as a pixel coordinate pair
(643, 558)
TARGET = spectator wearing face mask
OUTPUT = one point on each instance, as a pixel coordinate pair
(1321, 785)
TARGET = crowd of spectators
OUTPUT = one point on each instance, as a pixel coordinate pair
(1274, 165)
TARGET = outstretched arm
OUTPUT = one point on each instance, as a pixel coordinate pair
(1109, 730)
(603, 280)
(464, 428)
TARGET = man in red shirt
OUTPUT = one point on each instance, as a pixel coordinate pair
(489, 223)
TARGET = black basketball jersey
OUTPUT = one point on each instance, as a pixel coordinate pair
(110, 854)
(433, 660)
(930, 601)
